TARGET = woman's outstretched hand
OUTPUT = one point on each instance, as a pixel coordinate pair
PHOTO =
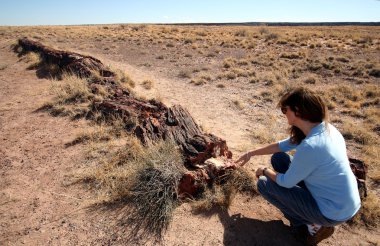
(244, 159)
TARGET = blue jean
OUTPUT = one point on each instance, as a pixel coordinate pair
(296, 203)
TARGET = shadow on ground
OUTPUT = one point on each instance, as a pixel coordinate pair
(239, 230)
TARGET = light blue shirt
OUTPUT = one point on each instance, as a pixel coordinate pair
(321, 162)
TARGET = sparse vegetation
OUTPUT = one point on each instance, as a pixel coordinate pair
(3, 66)
(255, 63)
(71, 89)
(222, 193)
(33, 59)
(147, 84)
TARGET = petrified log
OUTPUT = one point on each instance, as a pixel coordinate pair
(192, 182)
(81, 65)
(155, 121)
(359, 168)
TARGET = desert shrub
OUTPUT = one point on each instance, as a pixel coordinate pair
(291, 56)
(198, 81)
(34, 59)
(374, 73)
(282, 41)
(224, 190)
(261, 134)
(241, 33)
(3, 66)
(153, 191)
(229, 62)
(243, 62)
(369, 213)
(359, 135)
(188, 41)
(343, 59)
(147, 84)
(371, 91)
(314, 66)
(124, 78)
(144, 180)
(71, 89)
(240, 72)
(206, 77)
(364, 40)
(238, 104)
(211, 54)
(328, 65)
(263, 30)
(230, 75)
(201, 33)
(310, 80)
(184, 74)
(346, 93)
(170, 45)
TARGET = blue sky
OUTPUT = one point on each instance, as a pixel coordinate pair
(67, 12)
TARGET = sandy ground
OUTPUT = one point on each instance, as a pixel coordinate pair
(37, 207)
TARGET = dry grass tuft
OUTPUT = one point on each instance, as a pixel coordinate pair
(154, 191)
(369, 213)
(3, 66)
(238, 104)
(124, 78)
(147, 84)
(310, 80)
(34, 59)
(71, 89)
(198, 81)
(360, 135)
(224, 190)
(146, 179)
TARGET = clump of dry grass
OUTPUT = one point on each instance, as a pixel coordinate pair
(310, 80)
(224, 190)
(369, 213)
(238, 104)
(145, 179)
(198, 81)
(72, 96)
(3, 66)
(291, 55)
(34, 59)
(97, 133)
(124, 78)
(154, 191)
(71, 89)
(360, 135)
(184, 74)
(147, 84)
(262, 136)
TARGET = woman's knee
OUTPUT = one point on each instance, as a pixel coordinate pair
(280, 162)
(262, 184)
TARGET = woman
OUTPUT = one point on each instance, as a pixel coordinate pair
(316, 187)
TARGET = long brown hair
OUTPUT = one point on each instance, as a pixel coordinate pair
(307, 105)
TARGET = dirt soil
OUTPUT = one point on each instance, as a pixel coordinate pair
(37, 207)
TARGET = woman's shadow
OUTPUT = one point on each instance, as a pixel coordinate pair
(239, 230)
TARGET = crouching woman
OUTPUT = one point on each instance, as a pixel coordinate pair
(315, 189)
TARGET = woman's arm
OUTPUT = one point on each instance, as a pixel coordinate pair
(269, 149)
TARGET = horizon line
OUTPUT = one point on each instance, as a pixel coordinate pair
(249, 23)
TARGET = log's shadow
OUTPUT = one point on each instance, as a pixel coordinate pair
(241, 231)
